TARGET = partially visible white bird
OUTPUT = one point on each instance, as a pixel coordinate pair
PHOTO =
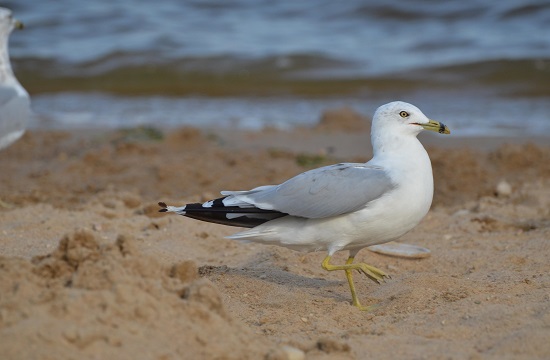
(345, 206)
(14, 99)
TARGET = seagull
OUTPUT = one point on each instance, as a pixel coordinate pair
(14, 99)
(346, 206)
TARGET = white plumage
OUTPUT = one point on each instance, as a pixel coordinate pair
(14, 99)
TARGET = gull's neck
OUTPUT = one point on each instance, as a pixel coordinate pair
(401, 154)
(390, 144)
(7, 77)
(407, 163)
(6, 71)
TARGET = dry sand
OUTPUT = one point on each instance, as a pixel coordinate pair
(89, 269)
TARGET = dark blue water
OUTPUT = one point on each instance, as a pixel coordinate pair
(484, 66)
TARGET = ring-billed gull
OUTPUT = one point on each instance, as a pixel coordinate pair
(345, 206)
(14, 99)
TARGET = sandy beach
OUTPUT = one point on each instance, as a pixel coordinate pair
(90, 270)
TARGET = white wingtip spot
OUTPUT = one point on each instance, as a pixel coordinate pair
(176, 209)
(208, 204)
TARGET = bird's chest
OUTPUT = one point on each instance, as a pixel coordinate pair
(393, 215)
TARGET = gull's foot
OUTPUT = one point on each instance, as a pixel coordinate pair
(371, 272)
(365, 308)
(375, 274)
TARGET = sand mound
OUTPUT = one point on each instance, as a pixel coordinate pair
(92, 300)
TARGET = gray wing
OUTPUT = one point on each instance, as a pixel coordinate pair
(325, 192)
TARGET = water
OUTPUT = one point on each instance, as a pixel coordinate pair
(483, 68)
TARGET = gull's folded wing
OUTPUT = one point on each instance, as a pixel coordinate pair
(324, 192)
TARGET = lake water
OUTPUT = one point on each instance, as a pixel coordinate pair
(482, 67)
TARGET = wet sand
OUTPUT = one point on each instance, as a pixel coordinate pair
(90, 269)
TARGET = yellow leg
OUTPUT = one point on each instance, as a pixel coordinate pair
(355, 299)
(371, 272)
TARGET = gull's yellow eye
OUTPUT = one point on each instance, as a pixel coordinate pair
(404, 114)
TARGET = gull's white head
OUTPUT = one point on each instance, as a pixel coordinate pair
(7, 22)
(399, 117)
